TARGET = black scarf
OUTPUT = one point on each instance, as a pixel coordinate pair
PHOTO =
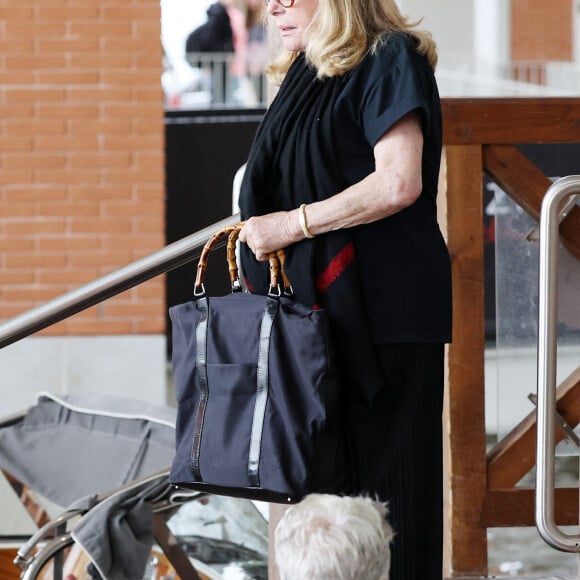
(293, 161)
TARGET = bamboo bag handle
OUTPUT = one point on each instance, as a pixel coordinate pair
(278, 278)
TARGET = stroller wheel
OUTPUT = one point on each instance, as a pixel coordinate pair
(63, 559)
(51, 560)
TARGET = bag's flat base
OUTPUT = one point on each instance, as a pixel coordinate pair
(255, 493)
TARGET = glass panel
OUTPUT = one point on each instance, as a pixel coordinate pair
(516, 287)
(511, 363)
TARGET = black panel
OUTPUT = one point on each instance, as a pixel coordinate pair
(204, 149)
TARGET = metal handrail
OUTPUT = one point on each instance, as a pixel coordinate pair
(547, 357)
(160, 262)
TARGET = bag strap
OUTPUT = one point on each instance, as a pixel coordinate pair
(288, 290)
(271, 307)
(199, 288)
(278, 277)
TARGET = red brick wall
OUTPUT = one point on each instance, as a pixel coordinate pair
(81, 156)
(542, 30)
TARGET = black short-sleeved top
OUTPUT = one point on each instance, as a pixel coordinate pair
(316, 139)
(403, 259)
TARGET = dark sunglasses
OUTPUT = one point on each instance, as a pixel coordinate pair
(283, 3)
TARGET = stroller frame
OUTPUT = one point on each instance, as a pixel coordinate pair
(56, 535)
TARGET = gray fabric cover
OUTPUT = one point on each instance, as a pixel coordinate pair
(65, 448)
(117, 533)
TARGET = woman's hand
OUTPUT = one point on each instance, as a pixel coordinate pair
(271, 232)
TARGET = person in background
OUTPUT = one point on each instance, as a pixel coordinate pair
(240, 37)
(255, 21)
(224, 32)
(257, 47)
(214, 35)
(327, 537)
(343, 174)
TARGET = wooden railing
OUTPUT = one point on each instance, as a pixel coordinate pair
(480, 136)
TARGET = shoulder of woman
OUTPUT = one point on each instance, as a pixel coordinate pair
(395, 50)
(395, 43)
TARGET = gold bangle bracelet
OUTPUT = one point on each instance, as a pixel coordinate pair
(303, 222)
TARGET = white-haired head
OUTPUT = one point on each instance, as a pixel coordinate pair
(329, 537)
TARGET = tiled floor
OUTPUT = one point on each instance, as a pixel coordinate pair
(522, 553)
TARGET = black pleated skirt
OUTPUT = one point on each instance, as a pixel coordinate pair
(397, 455)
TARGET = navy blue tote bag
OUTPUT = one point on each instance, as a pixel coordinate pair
(257, 391)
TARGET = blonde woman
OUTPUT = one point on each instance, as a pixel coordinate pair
(343, 174)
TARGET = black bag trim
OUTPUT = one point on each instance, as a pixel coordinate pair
(270, 312)
(256, 493)
(201, 362)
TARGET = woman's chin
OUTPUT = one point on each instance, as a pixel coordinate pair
(292, 44)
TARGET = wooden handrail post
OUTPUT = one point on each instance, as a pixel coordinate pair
(464, 420)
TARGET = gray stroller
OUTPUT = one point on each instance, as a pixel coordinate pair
(107, 459)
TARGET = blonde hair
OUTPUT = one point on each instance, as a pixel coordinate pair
(343, 31)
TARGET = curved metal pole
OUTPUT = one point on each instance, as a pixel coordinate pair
(164, 260)
(547, 358)
(49, 550)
